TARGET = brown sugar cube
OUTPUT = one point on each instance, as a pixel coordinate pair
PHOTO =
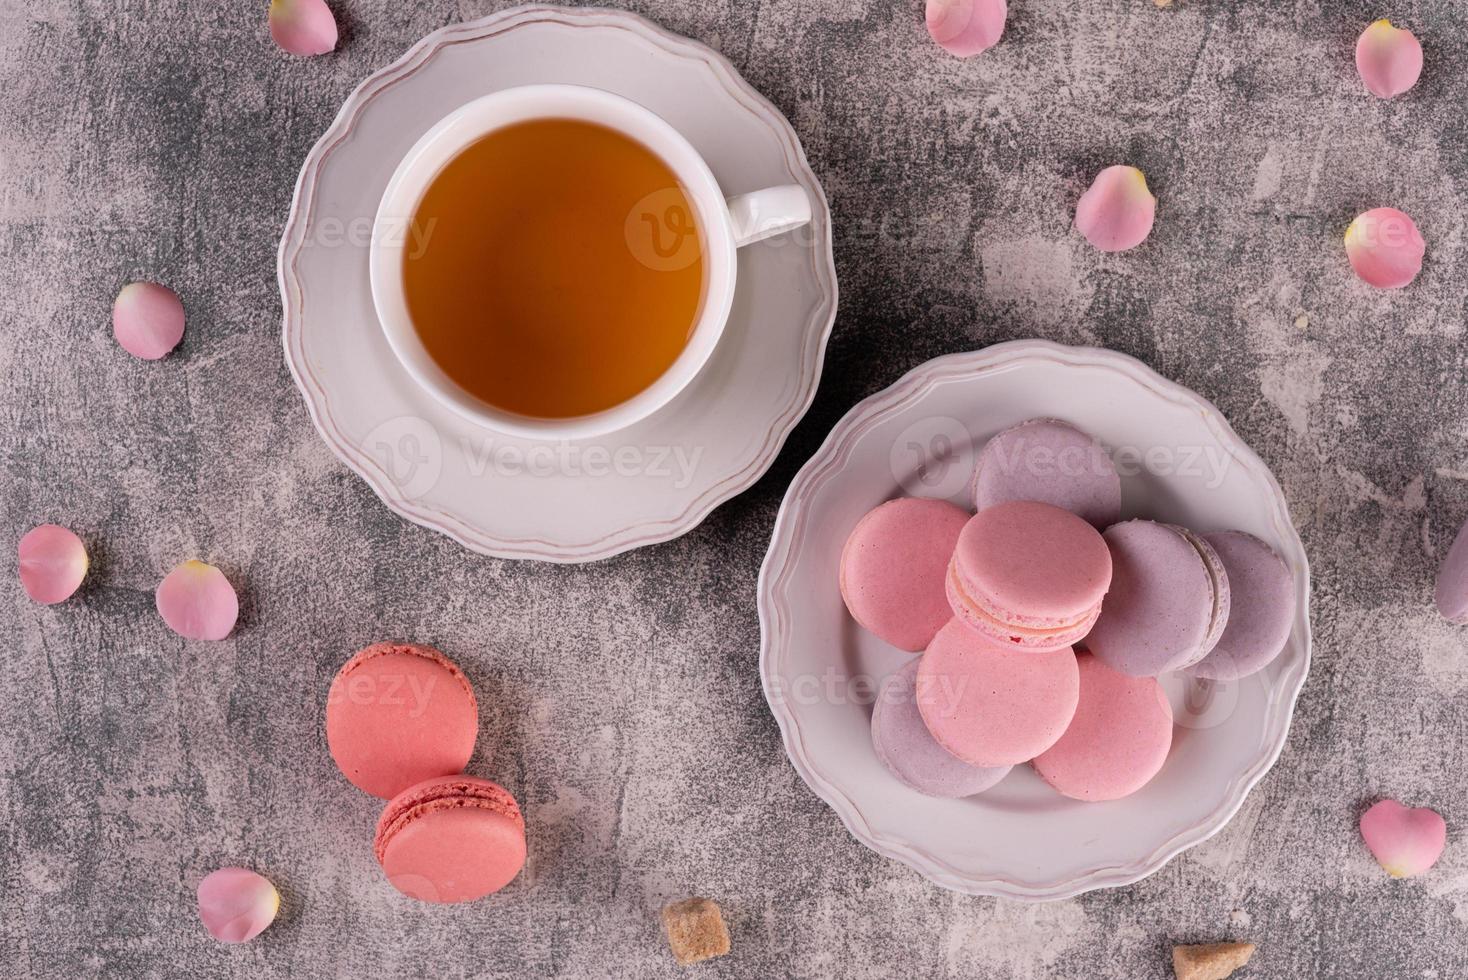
(1214, 961)
(696, 930)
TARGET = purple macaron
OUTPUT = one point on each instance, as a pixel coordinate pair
(1452, 581)
(1054, 463)
(1168, 604)
(905, 746)
(1261, 608)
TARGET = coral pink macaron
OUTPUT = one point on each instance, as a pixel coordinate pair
(1118, 740)
(1029, 574)
(397, 714)
(991, 704)
(451, 839)
(893, 566)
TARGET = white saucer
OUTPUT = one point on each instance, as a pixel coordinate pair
(563, 502)
(1181, 462)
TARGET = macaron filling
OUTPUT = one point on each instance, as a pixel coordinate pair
(1222, 594)
(980, 613)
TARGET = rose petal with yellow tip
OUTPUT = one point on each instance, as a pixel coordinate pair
(303, 27)
(53, 562)
(236, 904)
(1404, 841)
(197, 602)
(147, 320)
(1385, 248)
(1118, 211)
(967, 27)
(1389, 59)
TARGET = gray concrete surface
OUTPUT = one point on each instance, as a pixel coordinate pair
(161, 139)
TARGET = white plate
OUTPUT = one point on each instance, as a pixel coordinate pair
(575, 501)
(1181, 462)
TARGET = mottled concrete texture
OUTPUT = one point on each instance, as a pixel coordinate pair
(161, 139)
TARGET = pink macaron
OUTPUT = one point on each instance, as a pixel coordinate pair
(992, 704)
(397, 714)
(910, 752)
(1261, 608)
(1169, 600)
(1118, 740)
(1052, 462)
(1029, 574)
(451, 839)
(893, 566)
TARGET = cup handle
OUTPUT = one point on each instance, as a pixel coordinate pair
(764, 214)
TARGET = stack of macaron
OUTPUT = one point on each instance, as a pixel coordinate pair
(401, 722)
(1044, 621)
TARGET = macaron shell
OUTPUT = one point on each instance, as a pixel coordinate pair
(1029, 573)
(398, 714)
(990, 704)
(1452, 581)
(457, 854)
(1118, 740)
(1222, 592)
(1052, 462)
(451, 839)
(893, 567)
(909, 751)
(1160, 610)
(1263, 609)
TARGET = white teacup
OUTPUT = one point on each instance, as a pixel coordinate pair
(727, 223)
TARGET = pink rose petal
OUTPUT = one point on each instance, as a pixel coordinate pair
(236, 904)
(303, 27)
(1405, 842)
(53, 562)
(1389, 60)
(1117, 212)
(197, 602)
(148, 320)
(1385, 248)
(967, 27)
